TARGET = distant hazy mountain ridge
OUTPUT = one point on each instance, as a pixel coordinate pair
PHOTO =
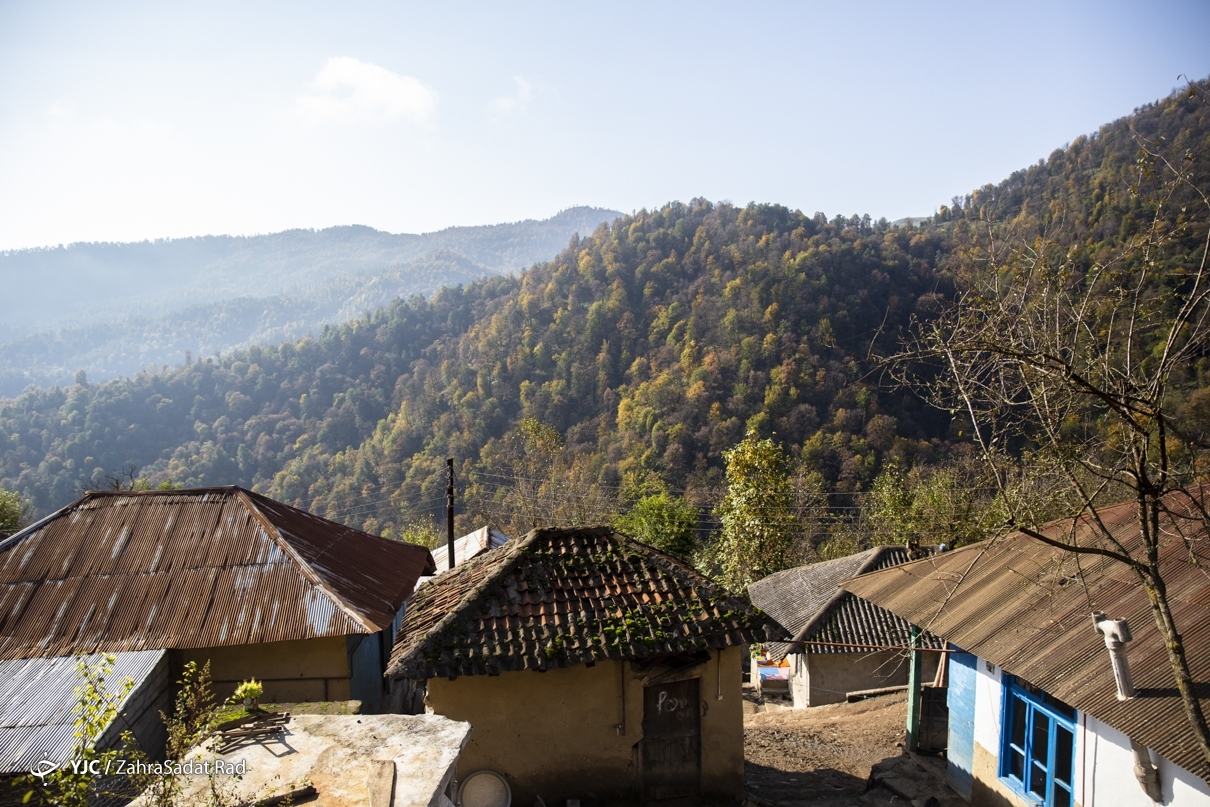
(114, 309)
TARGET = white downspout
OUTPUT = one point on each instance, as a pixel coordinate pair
(1117, 634)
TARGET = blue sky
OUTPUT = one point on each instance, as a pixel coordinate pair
(126, 121)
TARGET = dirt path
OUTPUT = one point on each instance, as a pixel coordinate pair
(822, 756)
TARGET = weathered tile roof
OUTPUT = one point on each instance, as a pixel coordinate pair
(809, 605)
(120, 570)
(565, 596)
(1026, 607)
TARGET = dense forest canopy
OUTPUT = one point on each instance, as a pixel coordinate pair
(649, 346)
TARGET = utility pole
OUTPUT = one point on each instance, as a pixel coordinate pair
(915, 663)
(449, 510)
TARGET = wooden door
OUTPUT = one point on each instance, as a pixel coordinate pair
(672, 741)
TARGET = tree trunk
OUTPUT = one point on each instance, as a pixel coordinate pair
(1158, 594)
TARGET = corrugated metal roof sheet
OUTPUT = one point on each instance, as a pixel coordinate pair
(38, 700)
(809, 604)
(560, 597)
(469, 546)
(1026, 607)
(119, 570)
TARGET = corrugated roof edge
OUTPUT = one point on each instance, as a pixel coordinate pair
(266, 524)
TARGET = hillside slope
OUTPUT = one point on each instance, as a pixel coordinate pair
(651, 345)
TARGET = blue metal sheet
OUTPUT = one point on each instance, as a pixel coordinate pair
(960, 756)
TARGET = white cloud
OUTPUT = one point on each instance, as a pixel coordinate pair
(350, 89)
(515, 102)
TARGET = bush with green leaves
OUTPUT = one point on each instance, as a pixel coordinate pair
(73, 784)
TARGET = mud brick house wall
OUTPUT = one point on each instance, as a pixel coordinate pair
(588, 665)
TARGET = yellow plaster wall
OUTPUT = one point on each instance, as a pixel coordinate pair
(302, 670)
(987, 790)
(562, 734)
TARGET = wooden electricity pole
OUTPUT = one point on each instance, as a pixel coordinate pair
(449, 510)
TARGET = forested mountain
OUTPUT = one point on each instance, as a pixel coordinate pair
(115, 309)
(650, 345)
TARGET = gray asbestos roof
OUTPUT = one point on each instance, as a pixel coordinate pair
(37, 704)
(809, 604)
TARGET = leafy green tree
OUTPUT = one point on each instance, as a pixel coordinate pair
(664, 521)
(953, 504)
(193, 718)
(14, 513)
(760, 523)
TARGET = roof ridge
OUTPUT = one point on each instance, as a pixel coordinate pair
(508, 559)
(306, 568)
(872, 556)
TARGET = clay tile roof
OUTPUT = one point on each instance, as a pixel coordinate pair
(808, 603)
(565, 596)
(121, 570)
(1026, 607)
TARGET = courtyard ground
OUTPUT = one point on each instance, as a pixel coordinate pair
(822, 757)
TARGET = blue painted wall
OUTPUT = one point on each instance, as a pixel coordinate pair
(960, 756)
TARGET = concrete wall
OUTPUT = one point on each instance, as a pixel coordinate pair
(575, 732)
(303, 670)
(820, 678)
(1104, 765)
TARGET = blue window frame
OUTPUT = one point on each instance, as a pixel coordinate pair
(1037, 753)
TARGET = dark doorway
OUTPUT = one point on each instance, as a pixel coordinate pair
(672, 741)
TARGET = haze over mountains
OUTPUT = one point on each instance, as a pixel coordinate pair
(115, 309)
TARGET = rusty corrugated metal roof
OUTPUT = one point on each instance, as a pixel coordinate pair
(121, 570)
(1026, 607)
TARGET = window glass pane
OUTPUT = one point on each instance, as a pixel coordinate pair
(1016, 765)
(1040, 748)
(1064, 744)
(1062, 797)
(1039, 753)
(1018, 722)
(1037, 779)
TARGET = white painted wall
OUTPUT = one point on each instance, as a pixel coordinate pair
(1104, 769)
(987, 707)
(1114, 785)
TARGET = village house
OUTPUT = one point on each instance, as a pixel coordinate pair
(1036, 715)
(836, 635)
(589, 666)
(259, 589)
